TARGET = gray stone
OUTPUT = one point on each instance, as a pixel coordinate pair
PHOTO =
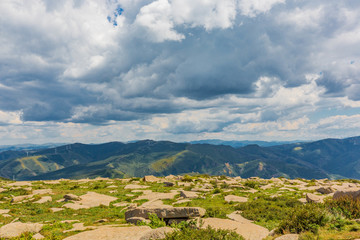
(188, 194)
(71, 197)
(166, 213)
(325, 190)
(17, 228)
(353, 194)
(314, 198)
(136, 220)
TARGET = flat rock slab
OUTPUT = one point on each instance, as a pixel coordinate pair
(135, 186)
(78, 227)
(151, 196)
(188, 194)
(233, 198)
(314, 198)
(42, 191)
(237, 217)
(4, 211)
(19, 184)
(56, 209)
(155, 204)
(91, 199)
(44, 199)
(166, 213)
(17, 228)
(249, 231)
(122, 233)
(288, 237)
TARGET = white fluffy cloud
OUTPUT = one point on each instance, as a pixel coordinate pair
(169, 69)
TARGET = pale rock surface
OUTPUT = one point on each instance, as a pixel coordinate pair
(155, 204)
(151, 178)
(42, 191)
(20, 198)
(56, 209)
(19, 184)
(288, 237)
(78, 227)
(38, 236)
(91, 199)
(233, 198)
(17, 228)
(121, 233)
(151, 196)
(248, 230)
(44, 199)
(2, 190)
(314, 198)
(4, 211)
(188, 194)
(135, 186)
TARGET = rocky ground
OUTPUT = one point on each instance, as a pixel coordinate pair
(151, 208)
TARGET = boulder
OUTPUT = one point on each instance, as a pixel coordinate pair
(288, 237)
(314, 198)
(188, 194)
(166, 213)
(150, 178)
(136, 220)
(15, 229)
(122, 233)
(168, 184)
(325, 190)
(71, 197)
(354, 194)
(38, 236)
(135, 186)
(20, 198)
(44, 199)
(42, 191)
(233, 198)
(248, 230)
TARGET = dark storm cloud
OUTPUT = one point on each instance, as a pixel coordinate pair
(72, 69)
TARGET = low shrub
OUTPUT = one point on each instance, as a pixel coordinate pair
(304, 218)
(208, 233)
(268, 211)
(252, 184)
(349, 207)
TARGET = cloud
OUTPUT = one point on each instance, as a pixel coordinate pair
(209, 68)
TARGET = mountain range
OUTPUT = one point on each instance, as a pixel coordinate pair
(328, 158)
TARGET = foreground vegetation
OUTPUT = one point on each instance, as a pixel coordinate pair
(274, 204)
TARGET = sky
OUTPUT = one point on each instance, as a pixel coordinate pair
(95, 71)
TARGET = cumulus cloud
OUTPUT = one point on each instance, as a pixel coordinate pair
(167, 68)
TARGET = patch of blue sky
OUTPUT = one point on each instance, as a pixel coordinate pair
(112, 19)
(325, 113)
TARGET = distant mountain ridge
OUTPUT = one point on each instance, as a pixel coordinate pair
(244, 143)
(328, 158)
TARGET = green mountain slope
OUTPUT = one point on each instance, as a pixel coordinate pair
(321, 159)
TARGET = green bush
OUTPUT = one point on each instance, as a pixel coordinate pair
(187, 178)
(348, 206)
(268, 211)
(304, 218)
(252, 184)
(215, 212)
(155, 222)
(208, 233)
